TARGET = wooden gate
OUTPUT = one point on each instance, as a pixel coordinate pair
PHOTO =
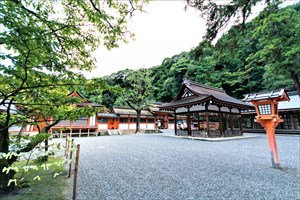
(113, 123)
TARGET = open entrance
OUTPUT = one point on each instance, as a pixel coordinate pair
(113, 123)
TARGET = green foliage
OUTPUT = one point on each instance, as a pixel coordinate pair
(251, 57)
(139, 94)
(267, 45)
(43, 41)
(114, 84)
(48, 187)
(278, 34)
(219, 14)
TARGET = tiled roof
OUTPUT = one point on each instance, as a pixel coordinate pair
(109, 115)
(128, 111)
(202, 93)
(292, 104)
(267, 95)
(89, 104)
(185, 101)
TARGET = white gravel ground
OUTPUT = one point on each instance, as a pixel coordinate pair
(156, 167)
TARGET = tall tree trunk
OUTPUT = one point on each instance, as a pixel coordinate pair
(138, 121)
(295, 78)
(4, 148)
(47, 130)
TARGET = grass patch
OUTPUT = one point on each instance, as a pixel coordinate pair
(46, 188)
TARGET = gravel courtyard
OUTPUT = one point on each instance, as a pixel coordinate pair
(160, 167)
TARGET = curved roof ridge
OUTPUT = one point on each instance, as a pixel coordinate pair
(188, 82)
(80, 95)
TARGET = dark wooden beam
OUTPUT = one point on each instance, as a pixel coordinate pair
(220, 121)
(207, 119)
(175, 122)
(241, 124)
(231, 121)
(189, 131)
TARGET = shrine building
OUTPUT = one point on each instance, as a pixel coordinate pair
(208, 111)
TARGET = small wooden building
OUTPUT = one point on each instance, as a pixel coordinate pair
(124, 118)
(209, 111)
(84, 125)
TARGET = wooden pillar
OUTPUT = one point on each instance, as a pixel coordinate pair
(166, 122)
(207, 123)
(128, 122)
(241, 124)
(96, 120)
(189, 131)
(220, 122)
(88, 121)
(231, 121)
(207, 119)
(227, 124)
(292, 121)
(146, 122)
(79, 132)
(175, 122)
(88, 132)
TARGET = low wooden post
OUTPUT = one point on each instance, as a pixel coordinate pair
(70, 160)
(67, 146)
(175, 122)
(207, 124)
(76, 172)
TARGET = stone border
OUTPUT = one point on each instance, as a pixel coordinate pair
(213, 139)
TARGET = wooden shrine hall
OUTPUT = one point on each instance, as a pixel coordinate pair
(209, 111)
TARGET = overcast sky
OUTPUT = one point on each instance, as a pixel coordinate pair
(165, 30)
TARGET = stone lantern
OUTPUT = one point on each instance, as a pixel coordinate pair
(266, 106)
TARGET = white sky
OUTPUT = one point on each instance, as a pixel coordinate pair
(165, 30)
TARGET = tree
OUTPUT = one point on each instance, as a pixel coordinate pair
(116, 82)
(220, 14)
(270, 29)
(278, 34)
(139, 93)
(43, 41)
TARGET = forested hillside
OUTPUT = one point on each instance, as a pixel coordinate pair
(262, 55)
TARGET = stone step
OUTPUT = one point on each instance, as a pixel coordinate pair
(114, 132)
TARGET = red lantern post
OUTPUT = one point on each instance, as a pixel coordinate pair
(266, 106)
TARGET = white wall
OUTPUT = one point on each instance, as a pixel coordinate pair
(93, 120)
(213, 107)
(224, 109)
(235, 110)
(171, 126)
(197, 108)
(143, 126)
(14, 129)
(28, 128)
(123, 126)
(102, 126)
(181, 110)
(151, 126)
(132, 126)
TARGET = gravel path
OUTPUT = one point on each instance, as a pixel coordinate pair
(159, 167)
